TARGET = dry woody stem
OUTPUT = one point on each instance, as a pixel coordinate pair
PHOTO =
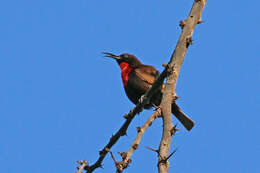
(185, 40)
(140, 132)
(172, 72)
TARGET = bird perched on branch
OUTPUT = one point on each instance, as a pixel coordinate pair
(138, 78)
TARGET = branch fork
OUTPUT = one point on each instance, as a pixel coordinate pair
(171, 71)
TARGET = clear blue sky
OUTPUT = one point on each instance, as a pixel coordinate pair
(60, 100)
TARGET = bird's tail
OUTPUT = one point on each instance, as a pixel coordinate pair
(184, 119)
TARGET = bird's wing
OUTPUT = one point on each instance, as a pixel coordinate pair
(147, 73)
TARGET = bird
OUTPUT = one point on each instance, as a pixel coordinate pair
(137, 78)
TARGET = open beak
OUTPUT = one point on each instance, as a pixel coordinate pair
(110, 55)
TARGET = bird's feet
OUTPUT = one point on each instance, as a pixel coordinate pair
(143, 99)
(155, 107)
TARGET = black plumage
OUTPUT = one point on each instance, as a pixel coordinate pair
(138, 78)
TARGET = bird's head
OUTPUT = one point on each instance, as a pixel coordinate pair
(124, 58)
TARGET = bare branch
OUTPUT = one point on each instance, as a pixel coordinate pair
(137, 140)
(173, 69)
(185, 40)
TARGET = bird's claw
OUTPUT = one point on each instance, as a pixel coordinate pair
(143, 99)
(156, 107)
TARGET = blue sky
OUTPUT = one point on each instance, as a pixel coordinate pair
(60, 100)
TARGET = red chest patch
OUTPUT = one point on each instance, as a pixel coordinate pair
(125, 70)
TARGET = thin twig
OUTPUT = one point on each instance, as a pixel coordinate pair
(112, 155)
(138, 138)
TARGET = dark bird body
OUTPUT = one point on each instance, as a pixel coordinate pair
(138, 78)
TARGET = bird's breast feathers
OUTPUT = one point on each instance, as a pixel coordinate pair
(125, 70)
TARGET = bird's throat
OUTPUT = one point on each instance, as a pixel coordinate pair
(125, 70)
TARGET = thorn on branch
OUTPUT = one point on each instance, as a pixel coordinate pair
(200, 21)
(131, 112)
(174, 130)
(152, 149)
(164, 161)
(170, 69)
(188, 41)
(174, 151)
(138, 129)
(135, 146)
(182, 24)
(126, 116)
(164, 65)
(102, 152)
(124, 133)
(157, 151)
